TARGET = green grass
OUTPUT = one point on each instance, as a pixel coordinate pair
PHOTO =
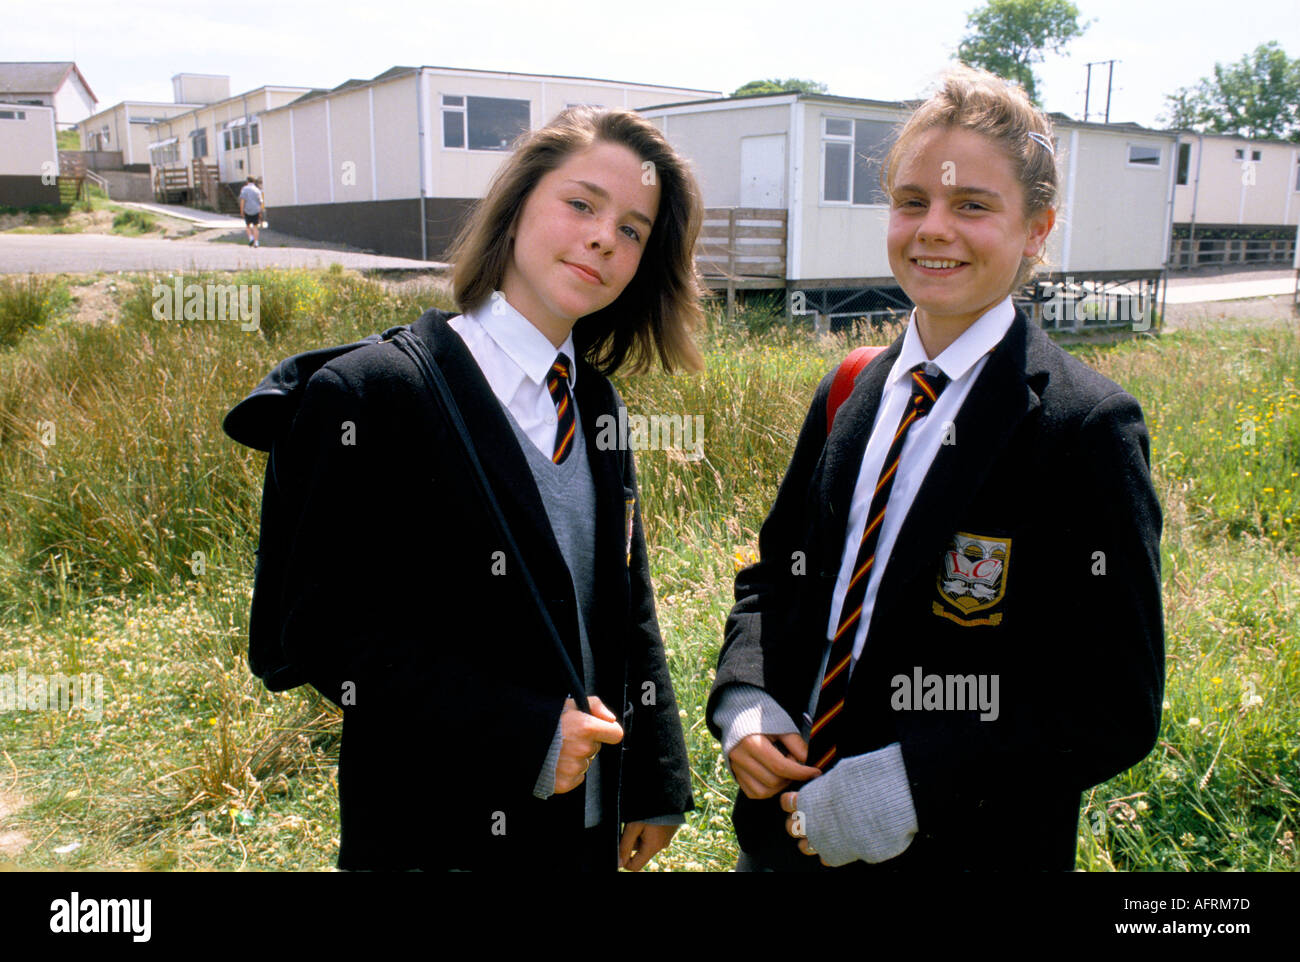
(29, 302)
(126, 549)
(133, 223)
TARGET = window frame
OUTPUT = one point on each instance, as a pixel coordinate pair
(171, 151)
(850, 139)
(1130, 162)
(447, 109)
(240, 132)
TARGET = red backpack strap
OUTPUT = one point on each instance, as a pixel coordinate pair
(847, 373)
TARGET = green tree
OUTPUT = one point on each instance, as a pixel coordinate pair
(1258, 96)
(1007, 37)
(1182, 111)
(779, 86)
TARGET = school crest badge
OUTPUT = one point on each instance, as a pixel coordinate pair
(973, 581)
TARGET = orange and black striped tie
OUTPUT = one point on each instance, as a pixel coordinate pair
(557, 382)
(835, 685)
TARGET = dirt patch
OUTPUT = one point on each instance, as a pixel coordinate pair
(416, 283)
(96, 302)
(77, 221)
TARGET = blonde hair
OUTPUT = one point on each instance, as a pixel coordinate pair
(980, 101)
(658, 311)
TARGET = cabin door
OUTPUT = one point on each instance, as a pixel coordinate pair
(762, 171)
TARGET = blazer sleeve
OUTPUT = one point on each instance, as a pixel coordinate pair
(354, 607)
(766, 592)
(656, 768)
(1098, 712)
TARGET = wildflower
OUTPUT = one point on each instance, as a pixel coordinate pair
(1193, 722)
(1216, 681)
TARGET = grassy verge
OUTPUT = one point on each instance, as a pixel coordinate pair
(82, 215)
(127, 523)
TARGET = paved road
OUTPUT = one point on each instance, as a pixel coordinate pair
(88, 253)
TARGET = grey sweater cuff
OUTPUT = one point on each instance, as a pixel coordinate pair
(745, 710)
(860, 809)
(545, 786)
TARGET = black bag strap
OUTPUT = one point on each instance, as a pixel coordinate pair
(410, 343)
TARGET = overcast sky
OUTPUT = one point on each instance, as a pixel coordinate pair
(130, 50)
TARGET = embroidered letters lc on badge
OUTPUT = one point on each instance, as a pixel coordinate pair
(974, 579)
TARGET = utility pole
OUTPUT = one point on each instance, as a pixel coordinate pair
(1087, 93)
(1110, 79)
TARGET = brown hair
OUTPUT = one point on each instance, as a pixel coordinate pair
(980, 101)
(660, 307)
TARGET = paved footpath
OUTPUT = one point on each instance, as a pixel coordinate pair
(192, 214)
(1229, 287)
(88, 253)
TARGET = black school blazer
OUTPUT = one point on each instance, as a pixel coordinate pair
(1050, 460)
(396, 585)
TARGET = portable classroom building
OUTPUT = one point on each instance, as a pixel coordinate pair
(213, 143)
(125, 127)
(1235, 200)
(791, 183)
(29, 156)
(393, 163)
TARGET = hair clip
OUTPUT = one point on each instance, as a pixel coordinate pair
(1040, 139)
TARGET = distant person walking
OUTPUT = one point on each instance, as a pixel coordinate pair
(250, 206)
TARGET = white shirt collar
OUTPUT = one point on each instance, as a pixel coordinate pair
(962, 354)
(517, 338)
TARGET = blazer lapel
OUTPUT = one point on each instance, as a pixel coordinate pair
(499, 453)
(610, 590)
(842, 457)
(997, 403)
